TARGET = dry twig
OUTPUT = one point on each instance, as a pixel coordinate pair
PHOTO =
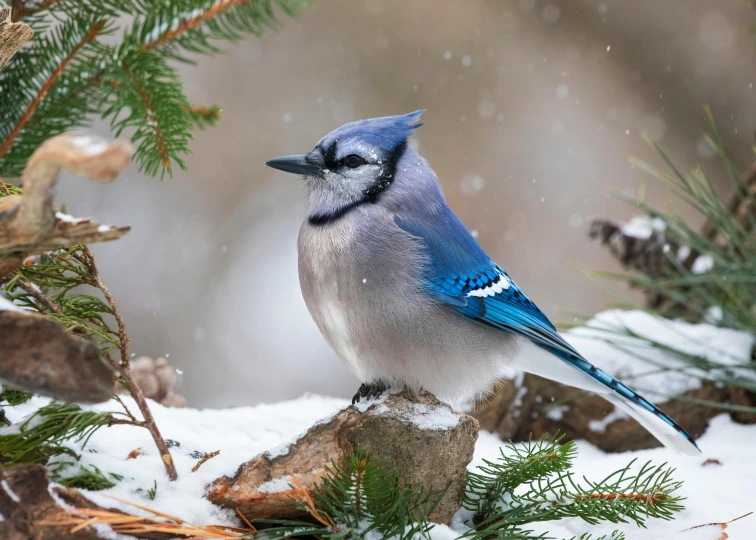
(122, 367)
(28, 222)
(206, 457)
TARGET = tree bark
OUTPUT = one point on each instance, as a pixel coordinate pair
(12, 35)
(39, 356)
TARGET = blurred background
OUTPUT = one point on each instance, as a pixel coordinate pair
(533, 107)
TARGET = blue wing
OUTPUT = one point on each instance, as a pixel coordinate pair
(462, 276)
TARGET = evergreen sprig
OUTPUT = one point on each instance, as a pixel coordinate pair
(517, 465)
(68, 73)
(56, 275)
(90, 478)
(46, 432)
(10, 397)
(527, 484)
(358, 498)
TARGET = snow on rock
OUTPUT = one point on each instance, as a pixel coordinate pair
(426, 416)
(642, 365)
(599, 426)
(427, 442)
(277, 485)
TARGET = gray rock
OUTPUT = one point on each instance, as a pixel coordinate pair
(428, 443)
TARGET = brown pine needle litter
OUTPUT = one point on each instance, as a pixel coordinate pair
(159, 522)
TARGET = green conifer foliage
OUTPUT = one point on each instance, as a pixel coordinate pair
(363, 498)
(72, 71)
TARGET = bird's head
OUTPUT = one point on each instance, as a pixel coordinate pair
(352, 164)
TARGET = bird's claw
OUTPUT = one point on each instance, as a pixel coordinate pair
(369, 390)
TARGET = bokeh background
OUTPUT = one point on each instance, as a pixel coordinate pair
(533, 107)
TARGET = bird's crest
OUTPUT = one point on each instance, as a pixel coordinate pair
(386, 132)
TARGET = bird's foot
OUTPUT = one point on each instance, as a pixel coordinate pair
(369, 390)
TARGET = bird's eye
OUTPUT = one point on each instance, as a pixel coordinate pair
(353, 161)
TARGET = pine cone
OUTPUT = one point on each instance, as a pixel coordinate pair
(641, 244)
(644, 244)
(158, 380)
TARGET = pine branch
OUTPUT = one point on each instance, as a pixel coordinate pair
(204, 117)
(516, 466)
(44, 434)
(13, 396)
(529, 483)
(190, 23)
(153, 95)
(534, 484)
(358, 498)
(91, 34)
(63, 271)
(92, 479)
(113, 80)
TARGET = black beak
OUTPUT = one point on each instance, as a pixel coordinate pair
(296, 165)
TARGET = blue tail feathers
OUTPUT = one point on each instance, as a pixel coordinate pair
(620, 388)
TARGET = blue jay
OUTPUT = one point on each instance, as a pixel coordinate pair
(406, 296)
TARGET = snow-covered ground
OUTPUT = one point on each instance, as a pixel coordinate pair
(715, 493)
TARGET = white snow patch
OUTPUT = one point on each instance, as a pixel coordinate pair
(239, 433)
(69, 218)
(277, 485)
(702, 264)
(643, 227)
(7, 305)
(713, 315)
(9, 491)
(653, 372)
(436, 418)
(599, 426)
(556, 413)
(425, 417)
(90, 145)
